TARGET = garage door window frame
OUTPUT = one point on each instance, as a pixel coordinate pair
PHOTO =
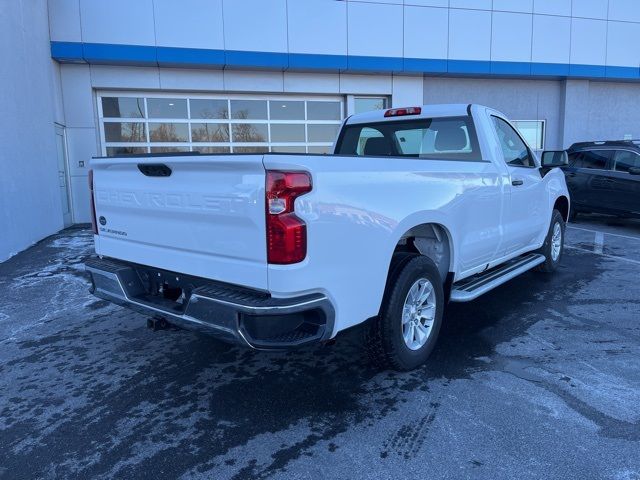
(189, 145)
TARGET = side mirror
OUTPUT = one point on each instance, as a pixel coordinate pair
(552, 158)
(634, 171)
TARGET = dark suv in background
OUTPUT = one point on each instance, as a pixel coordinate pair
(604, 177)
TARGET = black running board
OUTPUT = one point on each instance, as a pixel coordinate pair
(472, 287)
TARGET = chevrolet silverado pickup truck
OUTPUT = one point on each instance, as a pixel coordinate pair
(416, 207)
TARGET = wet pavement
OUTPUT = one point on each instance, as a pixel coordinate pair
(537, 379)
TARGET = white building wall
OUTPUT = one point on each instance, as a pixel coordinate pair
(614, 111)
(372, 47)
(551, 32)
(518, 99)
(30, 201)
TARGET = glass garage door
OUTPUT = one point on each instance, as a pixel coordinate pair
(156, 123)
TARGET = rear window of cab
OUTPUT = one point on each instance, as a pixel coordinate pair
(446, 138)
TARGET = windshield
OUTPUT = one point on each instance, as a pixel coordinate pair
(443, 138)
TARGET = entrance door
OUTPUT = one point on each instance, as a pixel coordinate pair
(61, 151)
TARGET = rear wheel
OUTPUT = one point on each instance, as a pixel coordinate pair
(554, 244)
(404, 334)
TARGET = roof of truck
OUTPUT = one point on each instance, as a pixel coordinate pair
(427, 111)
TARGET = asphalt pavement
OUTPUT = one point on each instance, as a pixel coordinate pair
(538, 379)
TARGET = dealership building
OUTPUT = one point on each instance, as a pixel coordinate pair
(81, 78)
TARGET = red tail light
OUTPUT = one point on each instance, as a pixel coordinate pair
(94, 224)
(400, 112)
(286, 233)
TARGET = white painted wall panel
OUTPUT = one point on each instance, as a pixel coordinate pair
(590, 9)
(191, 79)
(296, 82)
(511, 37)
(80, 199)
(30, 200)
(64, 20)
(375, 29)
(117, 21)
(407, 91)
(551, 39)
(56, 96)
(426, 32)
(624, 10)
(240, 81)
(107, 76)
(623, 39)
(82, 145)
(255, 25)
(575, 110)
(317, 26)
(189, 23)
(76, 95)
(366, 84)
(588, 41)
(469, 35)
(552, 7)
(614, 110)
(522, 6)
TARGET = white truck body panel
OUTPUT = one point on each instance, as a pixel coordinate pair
(208, 218)
(360, 208)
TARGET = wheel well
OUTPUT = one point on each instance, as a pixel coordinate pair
(562, 205)
(431, 240)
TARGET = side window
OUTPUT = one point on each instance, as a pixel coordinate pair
(626, 160)
(516, 153)
(593, 159)
(575, 158)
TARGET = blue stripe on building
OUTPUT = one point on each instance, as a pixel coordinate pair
(143, 55)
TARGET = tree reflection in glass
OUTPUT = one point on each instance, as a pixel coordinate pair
(248, 132)
(168, 132)
(124, 132)
(209, 132)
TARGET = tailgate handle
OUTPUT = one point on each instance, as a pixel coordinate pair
(154, 169)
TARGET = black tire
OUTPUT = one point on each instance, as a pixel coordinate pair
(550, 264)
(384, 337)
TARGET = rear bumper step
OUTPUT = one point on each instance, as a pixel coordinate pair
(233, 314)
(472, 287)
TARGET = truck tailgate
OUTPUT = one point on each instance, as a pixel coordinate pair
(203, 216)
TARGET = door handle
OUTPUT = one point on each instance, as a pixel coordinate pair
(517, 183)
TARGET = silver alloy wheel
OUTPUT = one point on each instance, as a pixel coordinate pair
(556, 241)
(418, 313)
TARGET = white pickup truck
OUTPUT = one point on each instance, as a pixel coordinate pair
(417, 207)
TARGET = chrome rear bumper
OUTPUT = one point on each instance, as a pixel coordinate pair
(233, 314)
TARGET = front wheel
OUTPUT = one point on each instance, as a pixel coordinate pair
(554, 244)
(404, 334)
